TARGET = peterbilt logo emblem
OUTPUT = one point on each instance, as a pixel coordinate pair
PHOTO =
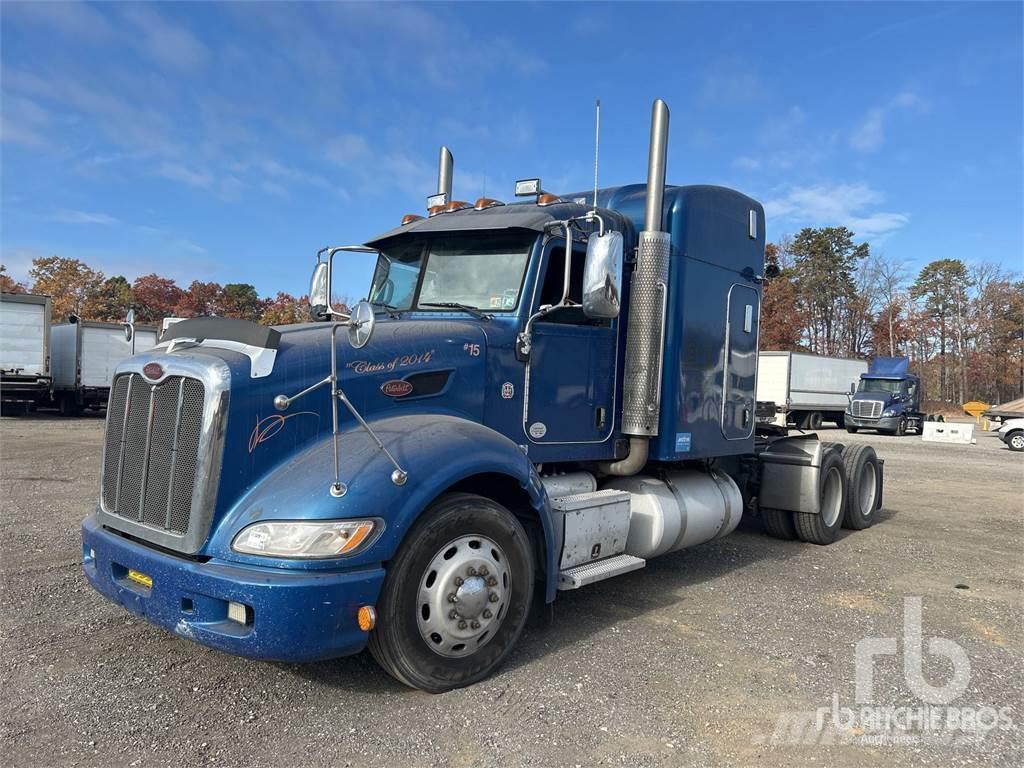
(396, 388)
(153, 371)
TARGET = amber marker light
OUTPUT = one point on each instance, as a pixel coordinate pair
(455, 205)
(367, 618)
(547, 199)
(486, 202)
(409, 218)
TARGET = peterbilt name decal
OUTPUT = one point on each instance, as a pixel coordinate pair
(384, 366)
(396, 388)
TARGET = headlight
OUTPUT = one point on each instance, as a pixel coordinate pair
(888, 412)
(331, 538)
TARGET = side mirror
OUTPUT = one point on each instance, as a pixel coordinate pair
(319, 290)
(771, 271)
(129, 325)
(361, 324)
(602, 276)
(853, 387)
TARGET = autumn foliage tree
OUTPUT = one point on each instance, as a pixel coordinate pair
(781, 322)
(68, 282)
(8, 284)
(155, 298)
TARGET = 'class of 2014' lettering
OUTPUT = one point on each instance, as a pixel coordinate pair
(402, 361)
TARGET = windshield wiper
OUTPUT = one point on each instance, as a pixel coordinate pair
(475, 311)
(391, 309)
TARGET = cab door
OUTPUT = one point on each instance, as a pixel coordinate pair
(740, 368)
(570, 374)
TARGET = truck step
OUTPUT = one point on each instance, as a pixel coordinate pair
(588, 573)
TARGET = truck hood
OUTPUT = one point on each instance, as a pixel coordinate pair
(434, 366)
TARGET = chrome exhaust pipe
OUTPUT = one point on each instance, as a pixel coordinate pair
(445, 167)
(648, 305)
(648, 302)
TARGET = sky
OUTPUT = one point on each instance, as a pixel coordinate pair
(228, 142)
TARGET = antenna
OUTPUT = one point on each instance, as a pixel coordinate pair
(597, 144)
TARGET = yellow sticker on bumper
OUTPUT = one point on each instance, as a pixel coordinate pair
(140, 578)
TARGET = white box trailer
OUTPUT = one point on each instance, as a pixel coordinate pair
(84, 356)
(24, 349)
(807, 389)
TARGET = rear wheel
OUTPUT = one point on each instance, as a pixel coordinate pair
(864, 484)
(456, 595)
(823, 527)
(814, 420)
(69, 406)
(779, 523)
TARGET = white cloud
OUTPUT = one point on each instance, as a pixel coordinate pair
(168, 44)
(348, 150)
(82, 217)
(869, 135)
(22, 122)
(76, 20)
(848, 205)
(178, 172)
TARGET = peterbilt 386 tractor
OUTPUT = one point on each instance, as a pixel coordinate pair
(534, 397)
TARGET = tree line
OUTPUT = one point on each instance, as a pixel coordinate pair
(75, 288)
(961, 325)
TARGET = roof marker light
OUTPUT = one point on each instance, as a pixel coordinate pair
(527, 187)
(547, 198)
(409, 218)
(437, 201)
(455, 205)
(483, 203)
(434, 210)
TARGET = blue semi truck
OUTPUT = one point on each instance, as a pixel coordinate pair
(887, 399)
(534, 397)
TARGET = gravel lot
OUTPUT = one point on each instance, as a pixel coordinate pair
(689, 661)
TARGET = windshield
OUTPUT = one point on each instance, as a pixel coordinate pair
(462, 269)
(889, 386)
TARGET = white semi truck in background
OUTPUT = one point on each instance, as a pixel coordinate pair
(24, 350)
(807, 389)
(84, 355)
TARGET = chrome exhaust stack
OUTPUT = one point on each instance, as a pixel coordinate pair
(445, 167)
(648, 304)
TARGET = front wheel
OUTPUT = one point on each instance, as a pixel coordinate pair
(456, 596)
(901, 426)
(1015, 442)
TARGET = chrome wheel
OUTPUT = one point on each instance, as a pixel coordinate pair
(832, 496)
(868, 489)
(462, 596)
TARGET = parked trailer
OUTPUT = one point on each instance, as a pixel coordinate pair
(24, 350)
(807, 389)
(549, 392)
(85, 355)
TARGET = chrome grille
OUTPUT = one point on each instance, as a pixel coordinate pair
(866, 409)
(152, 444)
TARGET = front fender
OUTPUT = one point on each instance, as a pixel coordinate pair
(435, 450)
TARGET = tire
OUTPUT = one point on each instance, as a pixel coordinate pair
(840, 420)
(863, 486)
(851, 430)
(823, 527)
(1015, 440)
(779, 524)
(464, 545)
(68, 407)
(901, 427)
(802, 421)
(814, 420)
